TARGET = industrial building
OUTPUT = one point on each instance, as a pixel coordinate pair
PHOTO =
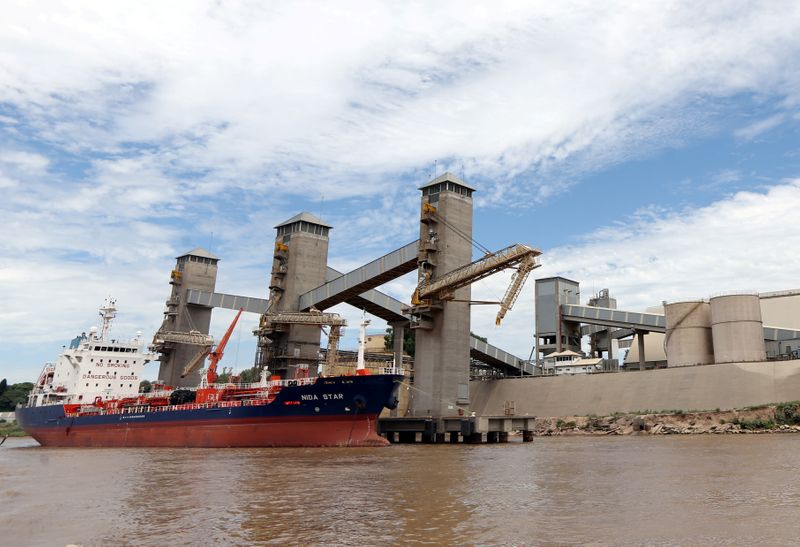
(773, 309)
(572, 340)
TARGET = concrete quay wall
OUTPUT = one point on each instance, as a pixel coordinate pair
(706, 387)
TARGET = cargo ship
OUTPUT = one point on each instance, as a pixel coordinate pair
(90, 398)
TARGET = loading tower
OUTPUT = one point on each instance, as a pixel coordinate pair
(299, 264)
(184, 331)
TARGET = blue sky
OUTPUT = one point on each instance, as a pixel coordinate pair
(650, 149)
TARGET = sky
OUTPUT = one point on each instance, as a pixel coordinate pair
(649, 148)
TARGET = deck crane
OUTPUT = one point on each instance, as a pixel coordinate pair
(521, 257)
(215, 355)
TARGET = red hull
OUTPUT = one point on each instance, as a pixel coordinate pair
(262, 432)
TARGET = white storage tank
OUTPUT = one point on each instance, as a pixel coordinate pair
(737, 329)
(688, 340)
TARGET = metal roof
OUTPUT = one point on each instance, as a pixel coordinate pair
(305, 216)
(199, 251)
(565, 353)
(448, 177)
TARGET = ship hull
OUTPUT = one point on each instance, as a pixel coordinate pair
(332, 412)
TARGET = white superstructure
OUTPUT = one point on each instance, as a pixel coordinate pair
(94, 366)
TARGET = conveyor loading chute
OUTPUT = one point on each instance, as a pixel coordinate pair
(279, 321)
(521, 257)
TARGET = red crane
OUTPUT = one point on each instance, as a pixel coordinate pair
(215, 356)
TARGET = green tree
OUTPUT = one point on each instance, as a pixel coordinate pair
(14, 394)
(224, 377)
(250, 375)
(408, 341)
(145, 386)
(481, 338)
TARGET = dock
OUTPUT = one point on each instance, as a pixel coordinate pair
(456, 429)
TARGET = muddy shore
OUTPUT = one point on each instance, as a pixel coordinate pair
(778, 418)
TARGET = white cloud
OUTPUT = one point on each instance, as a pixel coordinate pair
(755, 129)
(24, 161)
(277, 96)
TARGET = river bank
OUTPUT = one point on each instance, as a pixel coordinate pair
(777, 418)
(11, 429)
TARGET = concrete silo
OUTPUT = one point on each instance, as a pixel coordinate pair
(737, 329)
(688, 339)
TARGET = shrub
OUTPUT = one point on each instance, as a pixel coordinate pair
(757, 424)
(788, 413)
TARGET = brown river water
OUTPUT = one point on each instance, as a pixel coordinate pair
(672, 490)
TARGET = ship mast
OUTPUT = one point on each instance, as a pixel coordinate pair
(362, 343)
(107, 313)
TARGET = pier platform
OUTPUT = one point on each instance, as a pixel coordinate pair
(456, 429)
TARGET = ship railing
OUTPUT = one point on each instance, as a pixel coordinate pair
(390, 370)
(270, 384)
(138, 409)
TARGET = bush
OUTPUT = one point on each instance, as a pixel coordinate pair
(788, 413)
(757, 424)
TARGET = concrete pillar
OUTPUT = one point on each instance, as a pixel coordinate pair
(441, 362)
(527, 436)
(503, 437)
(398, 331)
(474, 438)
(196, 269)
(440, 438)
(640, 340)
(408, 436)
